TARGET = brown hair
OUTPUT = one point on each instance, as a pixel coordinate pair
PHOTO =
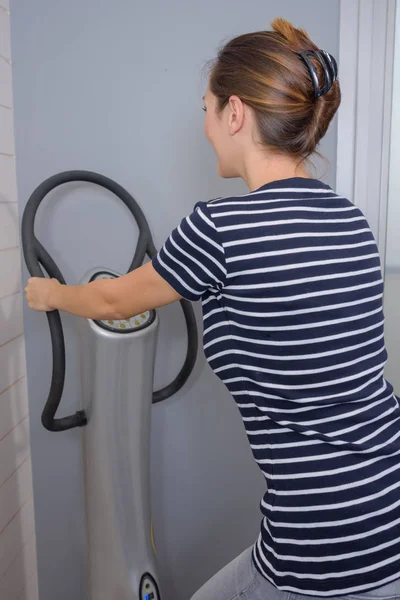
(265, 70)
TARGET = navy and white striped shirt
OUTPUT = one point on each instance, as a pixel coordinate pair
(291, 287)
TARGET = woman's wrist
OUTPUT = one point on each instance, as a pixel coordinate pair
(55, 295)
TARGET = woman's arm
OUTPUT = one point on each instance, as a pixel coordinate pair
(126, 296)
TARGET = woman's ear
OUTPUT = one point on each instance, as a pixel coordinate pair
(236, 114)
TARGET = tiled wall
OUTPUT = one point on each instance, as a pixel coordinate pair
(18, 572)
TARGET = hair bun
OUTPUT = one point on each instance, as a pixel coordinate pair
(297, 39)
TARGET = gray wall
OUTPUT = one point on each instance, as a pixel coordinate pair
(116, 87)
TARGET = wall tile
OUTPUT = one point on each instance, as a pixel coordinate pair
(5, 46)
(10, 272)
(16, 535)
(5, 83)
(19, 572)
(12, 362)
(6, 128)
(10, 318)
(8, 182)
(14, 493)
(14, 449)
(31, 590)
(9, 226)
(13, 406)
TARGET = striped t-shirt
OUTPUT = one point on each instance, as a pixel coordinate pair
(291, 288)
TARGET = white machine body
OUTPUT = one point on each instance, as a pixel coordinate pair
(117, 366)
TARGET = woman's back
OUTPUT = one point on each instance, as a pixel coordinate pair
(293, 325)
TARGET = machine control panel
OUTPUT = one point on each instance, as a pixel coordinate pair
(123, 325)
(148, 588)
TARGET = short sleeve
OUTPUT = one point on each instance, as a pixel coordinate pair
(192, 260)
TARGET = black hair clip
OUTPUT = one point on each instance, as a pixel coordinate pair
(329, 66)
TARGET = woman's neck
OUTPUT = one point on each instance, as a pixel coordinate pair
(260, 170)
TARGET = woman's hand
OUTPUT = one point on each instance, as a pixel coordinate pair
(39, 292)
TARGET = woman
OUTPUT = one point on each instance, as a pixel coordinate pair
(291, 288)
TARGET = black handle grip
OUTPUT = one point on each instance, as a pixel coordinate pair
(37, 257)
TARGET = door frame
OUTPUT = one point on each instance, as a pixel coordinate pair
(366, 53)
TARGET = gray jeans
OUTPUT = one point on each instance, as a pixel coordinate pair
(240, 580)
